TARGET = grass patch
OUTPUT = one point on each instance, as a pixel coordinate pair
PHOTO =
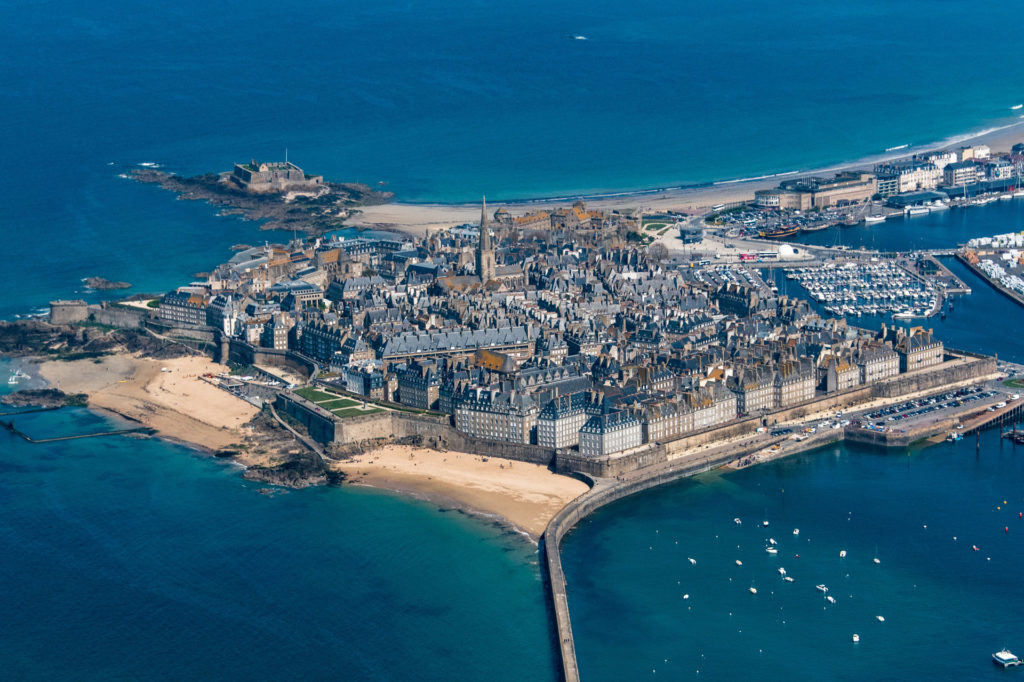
(654, 227)
(1014, 383)
(338, 404)
(315, 396)
(354, 412)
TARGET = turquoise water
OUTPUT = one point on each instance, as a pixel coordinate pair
(446, 102)
(137, 559)
(946, 607)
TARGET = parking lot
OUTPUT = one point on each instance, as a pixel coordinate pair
(937, 407)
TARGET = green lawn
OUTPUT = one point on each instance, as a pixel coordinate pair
(316, 396)
(354, 412)
(1014, 383)
(339, 403)
(653, 227)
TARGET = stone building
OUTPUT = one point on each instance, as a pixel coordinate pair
(497, 415)
(606, 434)
(278, 176)
(419, 386)
(559, 423)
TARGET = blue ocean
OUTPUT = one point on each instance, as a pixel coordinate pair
(139, 559)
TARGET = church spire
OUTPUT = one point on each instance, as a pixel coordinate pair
(485, 232)
(484, 250)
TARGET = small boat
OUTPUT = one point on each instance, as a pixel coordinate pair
(855, 638)
(764, 523)
(782, 572)
(737, 521)
(771, 550)
(831, 599)
(796, 531)
(693, 561)
(842, 554)
(771, 541)
(753, 590)
(739, 563)
(1005, 658)
(881, 619)
(788, 579)
(821, 588)
(1016, 107)
(876, 560)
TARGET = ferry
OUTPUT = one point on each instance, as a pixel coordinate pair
(1005, 658)
(874, 218)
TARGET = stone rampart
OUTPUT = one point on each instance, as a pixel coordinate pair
(118, 315)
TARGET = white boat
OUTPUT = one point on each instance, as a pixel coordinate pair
(881, 619)
(739, 563)
(831, 599)
(782, 572)
(915, 210)
(821, 588)
(771, 541)
(855, 638)
(876, 560)
(764, 523)
(686, 596)
(1005, 658)
(788, 579)
(737, 521)
(1004, 197)
(842, 554)
(771, 550)
(874, 218)
(753, 590)
(796, 531)
(1017, 107)
(693, 561)
(1019, 194)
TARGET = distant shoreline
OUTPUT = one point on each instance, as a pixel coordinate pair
(418, 217)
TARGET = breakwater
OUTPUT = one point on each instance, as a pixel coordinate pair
(603, 492)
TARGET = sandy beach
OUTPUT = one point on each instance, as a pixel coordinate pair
(177, 403)
(525, 495)
(418, 219)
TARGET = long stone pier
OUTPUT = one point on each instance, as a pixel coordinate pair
(604, 491)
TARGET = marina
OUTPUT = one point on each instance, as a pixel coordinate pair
(878, 287)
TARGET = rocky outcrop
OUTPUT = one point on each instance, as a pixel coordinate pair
(44, 397)
(100, 284)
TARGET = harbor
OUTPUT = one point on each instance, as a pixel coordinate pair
(877, 287)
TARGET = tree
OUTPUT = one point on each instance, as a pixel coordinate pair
(657, 253)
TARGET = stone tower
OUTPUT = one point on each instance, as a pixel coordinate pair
(484, 250)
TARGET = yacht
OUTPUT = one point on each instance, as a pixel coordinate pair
(821, 588)
(753, 590)
(881, 619)
(771, 550)
(831, 599)
(855, 638)
(842, 554)
(796, 531)
(874, 218)
(1005, 659)
(782, 572)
